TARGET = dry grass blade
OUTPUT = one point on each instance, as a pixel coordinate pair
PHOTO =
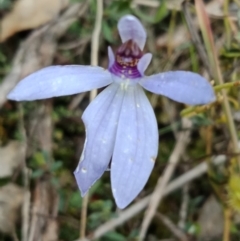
(205, 26)
(178, 233)
(196, 38)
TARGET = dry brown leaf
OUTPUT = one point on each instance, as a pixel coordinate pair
(11, 157)
(39, 48)
(40, 128)
(29, 14)
(11, 199)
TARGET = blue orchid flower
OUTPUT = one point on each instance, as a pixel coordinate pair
(121, 128)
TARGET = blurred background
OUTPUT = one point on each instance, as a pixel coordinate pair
(41, 141)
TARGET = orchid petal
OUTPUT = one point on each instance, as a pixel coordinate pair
(100, 119)
(182, 86)
(130, 27)
(111, 57)
(135, 148)
(144, 62)
(59, 81)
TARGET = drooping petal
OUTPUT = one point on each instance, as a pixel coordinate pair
(144, 62)
(111, 57)
(60, 80)
(130, 27)
(100, 119)
(182, 86)
(135, 148)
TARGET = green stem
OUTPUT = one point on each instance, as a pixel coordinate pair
(226, 85)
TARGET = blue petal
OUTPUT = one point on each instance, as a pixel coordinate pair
(111, 57)
(136, 147)
(182, 86)
(100, 119)
(58, 81)
(130, 27)
(144, 62)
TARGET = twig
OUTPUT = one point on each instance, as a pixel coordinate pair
(93, 93)
(76, 100)
(157, 194)
(184, 206)
(133, 210)
(74, 44)
(178, 233)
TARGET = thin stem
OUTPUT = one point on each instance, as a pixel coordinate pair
(227, 224)
(190, 111)
(93, 93)
(226, 85)
(95, 40)
(83, 224)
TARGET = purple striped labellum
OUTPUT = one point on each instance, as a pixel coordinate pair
(127, 58)
(120, 123)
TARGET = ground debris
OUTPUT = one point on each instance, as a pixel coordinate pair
(11, 199)
(11, 158)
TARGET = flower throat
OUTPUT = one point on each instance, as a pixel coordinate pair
(127, 57)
